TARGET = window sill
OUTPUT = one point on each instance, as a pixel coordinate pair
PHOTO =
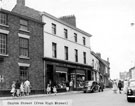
(4, 25)
(24, 30)
(24, 57)
(4, 55)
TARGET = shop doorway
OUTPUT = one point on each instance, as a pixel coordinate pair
(49, 73)
(89, 75)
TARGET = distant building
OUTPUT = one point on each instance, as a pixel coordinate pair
(132, 73)
(124, 75)
(102, 68)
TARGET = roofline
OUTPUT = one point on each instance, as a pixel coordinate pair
(22, 16)
(100, 59)
(62, 22)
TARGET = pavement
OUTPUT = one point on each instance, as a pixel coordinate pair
(43, 95)
(39, 95)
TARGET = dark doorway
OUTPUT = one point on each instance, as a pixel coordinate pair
(49, 73)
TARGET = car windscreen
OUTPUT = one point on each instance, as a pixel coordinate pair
(132, 83)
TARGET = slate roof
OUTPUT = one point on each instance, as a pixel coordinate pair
(24, 10)
(32, 13)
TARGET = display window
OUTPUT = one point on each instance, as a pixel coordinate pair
(80, 80)
(61, 79)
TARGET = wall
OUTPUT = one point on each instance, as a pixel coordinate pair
(61, 42)
(9, 66)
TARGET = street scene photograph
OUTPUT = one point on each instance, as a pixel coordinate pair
(67, 52)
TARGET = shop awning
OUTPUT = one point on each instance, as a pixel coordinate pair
(61, 69)
(80, 72)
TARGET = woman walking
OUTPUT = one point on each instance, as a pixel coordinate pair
(13, 89)
(115, 88)
(22, 89)
(17, 87)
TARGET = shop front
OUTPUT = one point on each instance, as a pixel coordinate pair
(60, 73)
(61, 77)
(80, 78)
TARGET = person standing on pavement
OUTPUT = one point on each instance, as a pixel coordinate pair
(125, 86)
(71, 85)
(48, 89)
(67, 86)
(120, 86)
(54, 90)
(115, 88)
(22, 89)
(27, 87)
(17, 87)
(13, 88)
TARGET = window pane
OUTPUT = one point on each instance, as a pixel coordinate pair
(3, 18)
(24, 47)
(54, 50)
(23, 24)
(53, 29)
(3, 43)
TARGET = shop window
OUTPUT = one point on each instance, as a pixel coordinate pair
(61, 79)
(80, 81)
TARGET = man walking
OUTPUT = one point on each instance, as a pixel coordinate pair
(120, 86)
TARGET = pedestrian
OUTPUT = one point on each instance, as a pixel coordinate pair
(71, 85)
(67, 86)
(13, 88)
(27, 87)
(54, 90)
(51, 86)
(125, 86)
(115, 88)
(48, 89)
(22, 89)
(17, 87)
(120, 86)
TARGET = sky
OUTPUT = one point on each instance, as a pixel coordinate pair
(108, 21)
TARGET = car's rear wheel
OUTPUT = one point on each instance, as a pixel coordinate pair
(128, 99)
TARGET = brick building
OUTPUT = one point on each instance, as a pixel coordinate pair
(66, 48)
(21, 50)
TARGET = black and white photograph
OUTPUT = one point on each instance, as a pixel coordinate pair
(67, 52)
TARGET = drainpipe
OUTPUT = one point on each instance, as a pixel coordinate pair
(44, 77)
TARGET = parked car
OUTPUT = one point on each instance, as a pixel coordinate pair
(91, 87)
(131, 90)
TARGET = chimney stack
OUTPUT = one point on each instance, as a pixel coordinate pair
(71, 19)
(21, 2)
(98, 54)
